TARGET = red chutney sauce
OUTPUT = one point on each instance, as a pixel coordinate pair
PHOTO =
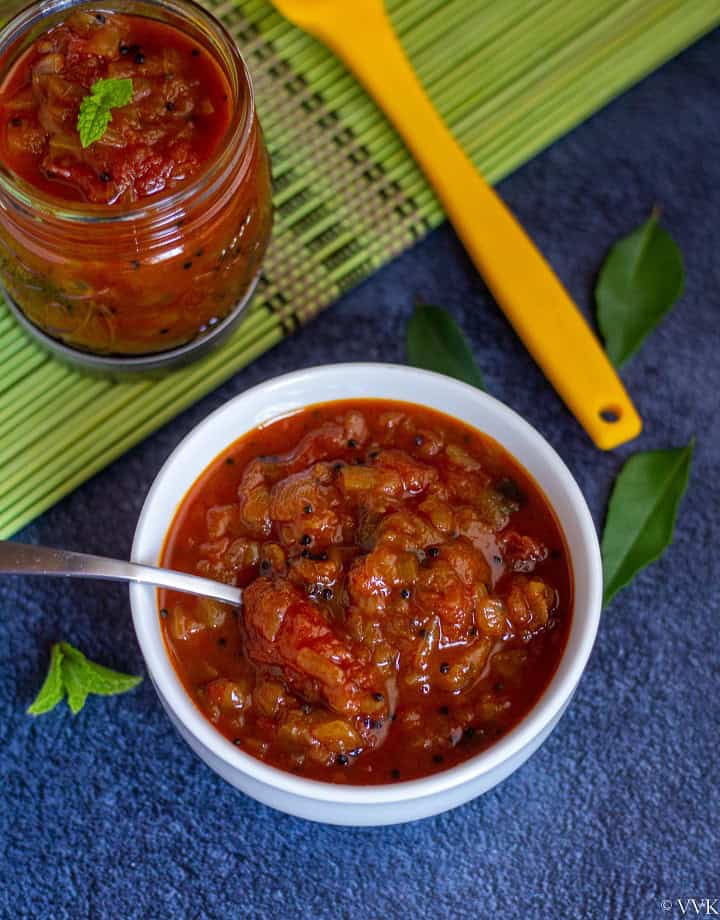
(179, 112)
(408, 592)
(169, 271)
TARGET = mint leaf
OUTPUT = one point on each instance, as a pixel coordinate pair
(52, 691)
(72, 673)
(96, 109)
(76, 692)
(642, 513)
(82, 677)
(640, 281)
(434, 341)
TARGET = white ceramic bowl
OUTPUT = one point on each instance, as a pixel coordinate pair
(399, 802)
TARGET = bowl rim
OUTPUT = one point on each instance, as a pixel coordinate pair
(540, 717)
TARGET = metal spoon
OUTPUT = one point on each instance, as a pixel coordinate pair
(21, 559)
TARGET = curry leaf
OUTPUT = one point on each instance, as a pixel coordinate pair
(641, 279)
(96, 108)
(52, 691)
(435, 342)
(642, 513)
(72, 673)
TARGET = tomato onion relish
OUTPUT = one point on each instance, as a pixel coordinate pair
(179, 112)
(152, 233)
(407, 592)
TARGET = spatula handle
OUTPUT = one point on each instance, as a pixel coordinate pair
(521, 280)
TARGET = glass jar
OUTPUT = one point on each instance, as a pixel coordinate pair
(154, 283)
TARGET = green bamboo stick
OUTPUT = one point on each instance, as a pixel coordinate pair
(31, 388)
(7, 322)
(557, 90)
(43, 422)
(528, 136)
(27, 399)
(104, 403)
(13, 342)
(19, 366)
(467, 37)
(40, 501)
(589, 41)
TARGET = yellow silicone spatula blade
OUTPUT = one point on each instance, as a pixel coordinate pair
(522, 282)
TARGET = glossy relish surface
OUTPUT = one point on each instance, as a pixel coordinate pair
(408, 592)
(179, 112)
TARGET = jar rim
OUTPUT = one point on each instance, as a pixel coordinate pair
(231, 146)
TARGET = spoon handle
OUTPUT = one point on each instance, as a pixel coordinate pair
(21, 559)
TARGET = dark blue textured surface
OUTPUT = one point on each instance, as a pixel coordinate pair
(110, 814)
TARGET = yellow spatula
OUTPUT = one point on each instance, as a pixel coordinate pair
(522, 282)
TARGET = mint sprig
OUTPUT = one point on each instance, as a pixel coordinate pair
(96, 109)
(52, 691)
(73, 674)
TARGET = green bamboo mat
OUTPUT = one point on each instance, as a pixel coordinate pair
(510, 76)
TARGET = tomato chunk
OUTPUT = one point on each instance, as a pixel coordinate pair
(286, 630)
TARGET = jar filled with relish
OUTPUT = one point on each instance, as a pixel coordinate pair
(135, 197)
